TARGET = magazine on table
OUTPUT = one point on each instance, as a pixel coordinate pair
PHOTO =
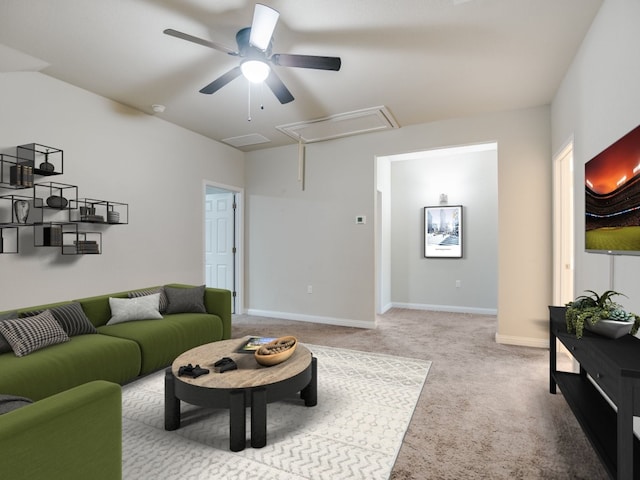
(254, 343)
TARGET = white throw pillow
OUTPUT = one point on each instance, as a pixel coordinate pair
(128, 309)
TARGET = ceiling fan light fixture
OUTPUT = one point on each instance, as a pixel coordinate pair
(256, 71)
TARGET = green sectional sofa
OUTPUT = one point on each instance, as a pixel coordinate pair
(118, 352)
(73, 435)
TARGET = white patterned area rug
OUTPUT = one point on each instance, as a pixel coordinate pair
(365, 403)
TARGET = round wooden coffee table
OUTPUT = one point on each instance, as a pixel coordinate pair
(251, 385)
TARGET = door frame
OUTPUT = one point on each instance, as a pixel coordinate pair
(563, 224)
(238, 235)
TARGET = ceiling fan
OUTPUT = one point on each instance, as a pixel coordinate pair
(254, 48)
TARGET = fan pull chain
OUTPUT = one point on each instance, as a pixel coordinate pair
(261, 96)
(249, 101)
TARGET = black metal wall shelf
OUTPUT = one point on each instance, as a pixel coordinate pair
(59, 196)
(45, 160)
(81, 243)
(92, 210)
(20, 210)
(11, 215)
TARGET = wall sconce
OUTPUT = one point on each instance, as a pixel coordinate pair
(444, 199)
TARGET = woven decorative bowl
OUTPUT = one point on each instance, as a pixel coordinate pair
(277, 351)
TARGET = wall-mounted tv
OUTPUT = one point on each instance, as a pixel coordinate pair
(612, 198)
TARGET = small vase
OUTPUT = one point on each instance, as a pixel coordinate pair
(21, 209)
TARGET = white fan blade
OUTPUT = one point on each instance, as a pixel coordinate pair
(263, 25)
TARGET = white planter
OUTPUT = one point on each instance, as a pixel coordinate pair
(609, 328)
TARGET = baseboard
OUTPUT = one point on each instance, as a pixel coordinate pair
(446, 308)
(522, 341)
(342, 322)
(386, 308)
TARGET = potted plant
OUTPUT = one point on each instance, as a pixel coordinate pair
(600, 314)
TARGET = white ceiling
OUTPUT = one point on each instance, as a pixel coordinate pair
(424, 60)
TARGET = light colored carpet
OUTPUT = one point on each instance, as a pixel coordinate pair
(485, 412)
(365, 403)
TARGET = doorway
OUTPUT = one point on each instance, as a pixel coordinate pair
(222, 229)
(563, 227)
(405, 184)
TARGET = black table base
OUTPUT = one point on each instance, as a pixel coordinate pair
(237, 400)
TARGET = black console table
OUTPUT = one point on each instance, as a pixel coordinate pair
(615, 366)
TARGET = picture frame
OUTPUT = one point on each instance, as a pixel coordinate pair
(443, 231)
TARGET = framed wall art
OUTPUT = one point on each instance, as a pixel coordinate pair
(443, 231)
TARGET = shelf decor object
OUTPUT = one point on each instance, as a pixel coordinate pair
(13, 211)
(81, 243)
(113, 216)
(43, 159)
(58, 195)
(14, 173)
(49, 234)
(21, 209)
(92, 210)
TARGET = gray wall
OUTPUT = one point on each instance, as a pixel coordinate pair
(114, 153)
(597, 103)
(298, 238)
(471, 180)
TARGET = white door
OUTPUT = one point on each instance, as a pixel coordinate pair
(219, 238)
(564, 227)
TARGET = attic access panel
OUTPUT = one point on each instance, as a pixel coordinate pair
(341, 125)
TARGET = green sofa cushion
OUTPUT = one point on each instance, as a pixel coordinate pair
(161, 341)
(73, 435)
(59, 367)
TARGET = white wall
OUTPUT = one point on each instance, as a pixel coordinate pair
(297, 238)
(469, 179)
(598, 102)
(114, 153)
